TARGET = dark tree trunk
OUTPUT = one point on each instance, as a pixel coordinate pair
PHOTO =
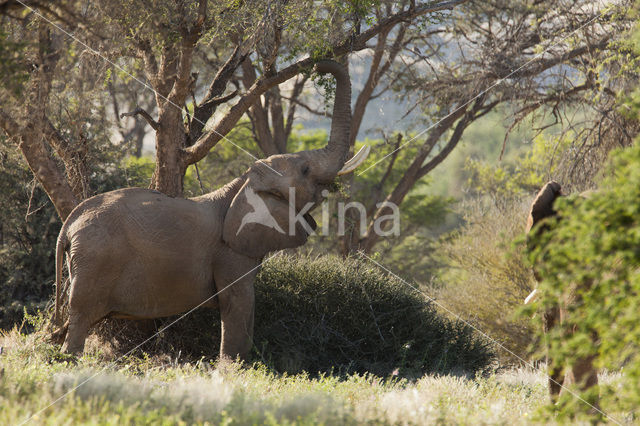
(170, 167)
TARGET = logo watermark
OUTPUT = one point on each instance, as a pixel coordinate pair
(384, 225)
(260, 213)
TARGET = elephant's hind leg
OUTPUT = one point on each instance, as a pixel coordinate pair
(585, 376)
(77, 333)
(86, 308)
(79, 325)
(556, 382)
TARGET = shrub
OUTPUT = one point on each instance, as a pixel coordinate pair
(28, 230)
(484, 278)
(595, 246)
(333, 315)
(29, 227)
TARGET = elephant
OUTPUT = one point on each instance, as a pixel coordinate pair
(582, 372)
(138, 254)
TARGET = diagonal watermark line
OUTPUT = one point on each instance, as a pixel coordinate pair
(496, 83)
(181, 317)
(143, 83)
(500, 345)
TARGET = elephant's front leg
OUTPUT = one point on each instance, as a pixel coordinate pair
(234, 276)
(551, 318)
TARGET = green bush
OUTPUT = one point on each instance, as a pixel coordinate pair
(29, 227)
(595, 246)
(333, 315)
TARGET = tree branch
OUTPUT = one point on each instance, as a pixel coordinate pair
(139, 111)
(258, 113)
(180, 88)
(307, 107)
(29, 141)
(212, 99)
(537, 67)
(204, 144)
(454, 139)
(394, 156)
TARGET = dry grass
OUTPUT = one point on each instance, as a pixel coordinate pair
(486, 278)
(139, 391)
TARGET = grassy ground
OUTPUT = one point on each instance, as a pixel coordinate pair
(37, 384)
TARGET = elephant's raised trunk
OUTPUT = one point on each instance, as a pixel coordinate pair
(334, 155)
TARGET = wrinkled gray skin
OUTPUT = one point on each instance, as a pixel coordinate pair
(136, 253)
(582, 372)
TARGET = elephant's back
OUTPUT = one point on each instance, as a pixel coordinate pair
(116, 208)
(139, 217)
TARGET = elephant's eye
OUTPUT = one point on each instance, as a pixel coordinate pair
(277, 194)
(305, 170)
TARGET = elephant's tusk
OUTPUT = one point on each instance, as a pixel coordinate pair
(355, 161)
(531, 297)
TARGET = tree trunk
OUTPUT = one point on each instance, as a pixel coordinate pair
(168, 176)
(349, 243)
(33, 128)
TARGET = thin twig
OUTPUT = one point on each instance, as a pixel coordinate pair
(33, 188)
(198, 177)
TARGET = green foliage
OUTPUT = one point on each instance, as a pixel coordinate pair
(325, 314)
(523, 175)
(302, 140)
(28, 231)
(594, 252)
(138, 171)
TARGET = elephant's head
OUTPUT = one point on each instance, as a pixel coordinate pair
(542, 206)
(269, 212)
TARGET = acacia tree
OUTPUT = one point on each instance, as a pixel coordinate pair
(162, 39)
(541, 57)
(208, 65)
(272, 118)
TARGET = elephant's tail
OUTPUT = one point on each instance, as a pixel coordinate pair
(61, 246)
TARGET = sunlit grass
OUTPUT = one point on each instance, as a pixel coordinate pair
(149, 391)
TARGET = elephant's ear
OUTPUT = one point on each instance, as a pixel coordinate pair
(542, 206)
(257, 223)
